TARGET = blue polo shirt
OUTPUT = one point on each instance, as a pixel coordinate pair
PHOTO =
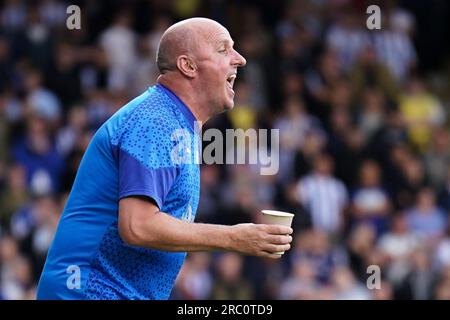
(147, 148)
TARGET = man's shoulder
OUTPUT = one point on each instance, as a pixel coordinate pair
(155, 109)
(150, 113)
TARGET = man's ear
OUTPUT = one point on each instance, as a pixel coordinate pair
(186, 66)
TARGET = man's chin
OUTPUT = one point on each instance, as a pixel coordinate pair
(226, 107)
(229, 105)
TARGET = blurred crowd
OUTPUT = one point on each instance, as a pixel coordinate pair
(364, 138)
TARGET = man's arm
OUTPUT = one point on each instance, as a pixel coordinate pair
(142, 224)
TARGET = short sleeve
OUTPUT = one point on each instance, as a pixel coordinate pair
(144, 154)
(135, 179)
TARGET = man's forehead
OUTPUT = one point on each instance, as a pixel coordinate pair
(221, 37)
(213, 31)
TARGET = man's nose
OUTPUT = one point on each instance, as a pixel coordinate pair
(239, 60)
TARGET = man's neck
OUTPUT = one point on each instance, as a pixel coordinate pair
(188, 95)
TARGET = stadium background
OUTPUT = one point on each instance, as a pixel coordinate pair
(364, 148)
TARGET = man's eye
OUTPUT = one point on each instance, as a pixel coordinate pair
(223, 50)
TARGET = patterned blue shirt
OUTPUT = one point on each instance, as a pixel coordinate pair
(147, 148)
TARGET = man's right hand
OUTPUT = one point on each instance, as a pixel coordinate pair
(142, 224)
(260, 240)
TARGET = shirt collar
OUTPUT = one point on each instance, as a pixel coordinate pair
(180, 104)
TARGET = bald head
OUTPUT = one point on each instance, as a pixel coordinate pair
(198, 62)
(182, 38)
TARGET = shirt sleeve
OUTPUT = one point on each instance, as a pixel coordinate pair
(144, 157)
(135, 179)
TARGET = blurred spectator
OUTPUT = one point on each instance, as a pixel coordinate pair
(398, 244)
(442, 290)
(444, 193)
(324, 196)
(391, 134)
(68, 136)
(401, 20)
(229, 283)
(370, 202)
(347, 287)
(297, 32)
(36, 152)
(253, 46)
(266, 284)
(94, 74)
(73, 159)
(242, 200)
(6, 69)
(144, 68)
(46, 214)
(160, 24)
(421, 110)
(437, 158)
(442, 253)
(369, 72)
(64, 77)
(385, 292)
(372, 116)
(195, 279)
(53, 12)
(361, 243)
(314, 143)
(318, 250)
(40, 100)
(211, 193)
(13, 15)
(394, 46)
(347, 145)
(15, 271)
(302, 283)
(418, 284)
(412, 178)
(118, 42)
(294, 124)
(425, 218)
(340, 97)
(37, 42)
(347, 37)
(99, 108)
(3, 133)
(14, 195)
(321, 79)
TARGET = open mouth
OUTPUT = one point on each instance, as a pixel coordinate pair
(230, 81)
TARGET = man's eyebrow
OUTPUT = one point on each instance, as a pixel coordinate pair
(226, 41)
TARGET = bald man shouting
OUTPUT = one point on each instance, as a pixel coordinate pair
(128, 221)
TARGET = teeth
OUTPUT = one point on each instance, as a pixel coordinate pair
(231, 79)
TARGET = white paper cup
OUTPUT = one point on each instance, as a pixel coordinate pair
(277, 217)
